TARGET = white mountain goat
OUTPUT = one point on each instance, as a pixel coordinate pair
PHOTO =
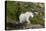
(25, 17)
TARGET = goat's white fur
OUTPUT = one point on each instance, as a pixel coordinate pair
(25, 17)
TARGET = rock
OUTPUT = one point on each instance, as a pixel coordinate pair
(36, 26)
(13, 26)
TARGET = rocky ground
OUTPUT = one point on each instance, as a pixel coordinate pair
(16, 26)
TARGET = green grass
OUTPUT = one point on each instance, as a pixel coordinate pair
(15, 8)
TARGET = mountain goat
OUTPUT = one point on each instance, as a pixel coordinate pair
(25, 17)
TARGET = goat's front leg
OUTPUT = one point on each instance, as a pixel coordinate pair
(28, 21)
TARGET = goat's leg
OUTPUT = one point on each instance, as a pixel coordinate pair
(28, 20)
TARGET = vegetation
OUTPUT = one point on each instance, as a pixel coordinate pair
(15, 8)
